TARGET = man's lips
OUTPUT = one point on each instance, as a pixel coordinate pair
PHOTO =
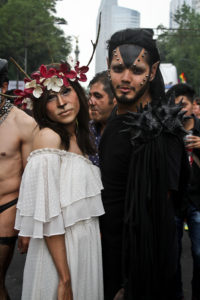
(125, 89)
(93, 109)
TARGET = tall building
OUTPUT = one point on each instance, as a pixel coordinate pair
(113, 18)
(176, 4)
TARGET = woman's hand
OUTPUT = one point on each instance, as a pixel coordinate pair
(119, 295)
(23, 243)
(65, 290)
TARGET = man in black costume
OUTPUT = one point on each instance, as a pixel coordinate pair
(141, 158)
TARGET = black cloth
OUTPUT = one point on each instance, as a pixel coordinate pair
(151, 173)
(114, 151)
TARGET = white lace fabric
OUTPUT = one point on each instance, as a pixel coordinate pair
(60, 194)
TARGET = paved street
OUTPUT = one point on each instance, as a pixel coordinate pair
(14, 277)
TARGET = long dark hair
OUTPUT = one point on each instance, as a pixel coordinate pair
(82, 131)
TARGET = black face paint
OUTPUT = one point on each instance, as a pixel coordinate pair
(129, 53)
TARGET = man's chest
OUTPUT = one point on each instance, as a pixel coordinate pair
(10, 142)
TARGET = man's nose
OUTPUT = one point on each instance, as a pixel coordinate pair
(92, 101)
(126, 76)
(61, 101)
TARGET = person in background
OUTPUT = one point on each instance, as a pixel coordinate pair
(196, 107)
(190, 208)
(101, 104)
(16, 133)
(60, 195)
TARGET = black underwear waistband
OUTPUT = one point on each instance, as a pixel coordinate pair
(7, 205)
(8, 240)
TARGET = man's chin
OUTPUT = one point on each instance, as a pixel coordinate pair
(126, 100)
(96, 118)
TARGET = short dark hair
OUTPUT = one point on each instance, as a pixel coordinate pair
(140, 37)
(197, 100)
(103, 78)
(41, 117)
(144, 39)
(181, 89)
(3, 71)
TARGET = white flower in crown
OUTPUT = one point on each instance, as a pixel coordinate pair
(53, 83)
(31, 84)
(38, 91)
(28, 103)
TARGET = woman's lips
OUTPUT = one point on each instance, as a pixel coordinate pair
(64, 113)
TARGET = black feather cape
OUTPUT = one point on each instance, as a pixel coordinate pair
(149, 240)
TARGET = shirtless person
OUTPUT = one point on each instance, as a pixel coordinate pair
(16, 131)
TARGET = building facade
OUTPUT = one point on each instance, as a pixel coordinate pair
(113, 18)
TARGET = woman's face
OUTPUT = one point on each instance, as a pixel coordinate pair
(63, 107)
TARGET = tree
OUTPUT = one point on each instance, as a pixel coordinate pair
(181, 46)
(30, 34)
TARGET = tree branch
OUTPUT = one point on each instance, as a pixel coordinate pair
(96, 42)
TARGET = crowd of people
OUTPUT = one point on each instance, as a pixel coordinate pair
(96, 186)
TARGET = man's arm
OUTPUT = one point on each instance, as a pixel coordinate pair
(27, 131)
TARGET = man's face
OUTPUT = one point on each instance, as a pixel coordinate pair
(196, 109)
(129, 76)
(187, 104)
(99, 106)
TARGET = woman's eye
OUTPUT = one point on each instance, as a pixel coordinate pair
(52, 98)
(66, 91)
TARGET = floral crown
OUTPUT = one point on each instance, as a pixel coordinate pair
(48, 79)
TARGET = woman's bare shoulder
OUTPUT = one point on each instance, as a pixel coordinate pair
(46, 138)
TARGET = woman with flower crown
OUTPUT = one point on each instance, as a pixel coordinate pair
(60, 193)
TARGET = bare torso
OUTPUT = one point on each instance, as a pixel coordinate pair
(16, 133)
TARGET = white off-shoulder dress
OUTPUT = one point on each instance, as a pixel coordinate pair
(60, 193)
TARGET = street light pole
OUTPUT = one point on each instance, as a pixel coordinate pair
(76, 49)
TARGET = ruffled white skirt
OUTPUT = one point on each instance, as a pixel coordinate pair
(84, 259)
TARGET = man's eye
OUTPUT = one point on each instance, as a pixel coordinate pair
(137, 71)
(97, 95)
(118, 69)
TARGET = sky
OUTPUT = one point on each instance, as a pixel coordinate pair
(81, 18)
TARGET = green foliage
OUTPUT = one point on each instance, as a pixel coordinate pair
(28, 28)
(181, 46)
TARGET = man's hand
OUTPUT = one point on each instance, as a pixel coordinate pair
(193, 142)
(23, 243)
(119, 295)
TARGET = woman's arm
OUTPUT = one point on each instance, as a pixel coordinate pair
(57, 249)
